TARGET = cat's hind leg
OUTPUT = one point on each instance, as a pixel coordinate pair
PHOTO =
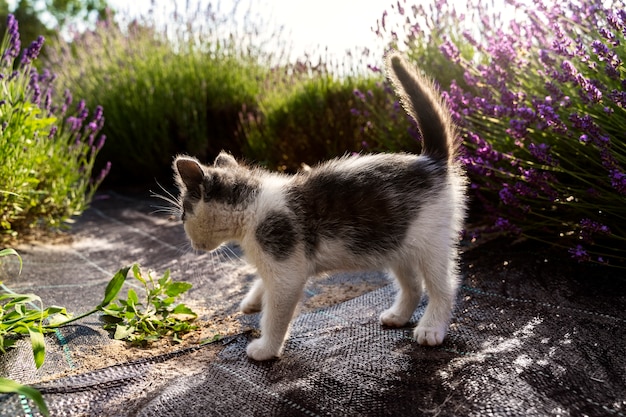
(408, 296)
(441, 282)
(253, 301)
(282, 292)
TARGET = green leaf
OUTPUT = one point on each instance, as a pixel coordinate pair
(8, 252)
(56, 315)
(215, 338)
(183, 310)
(137, 274)
(8, 386)
(114, 286)
(129, 315)
(123, 332)
(165, 278)
(112, 309)
(39, 346)
(177, 288)
(132, 297)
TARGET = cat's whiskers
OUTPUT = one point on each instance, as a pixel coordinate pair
(175, 209)
(231, 254)
(214, 260)
(173, 212)
(184, 247)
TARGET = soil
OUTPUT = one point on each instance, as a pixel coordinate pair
(211, 326)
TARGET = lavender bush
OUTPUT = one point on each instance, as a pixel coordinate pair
(47, 148)
(541, 111)
(168, 88)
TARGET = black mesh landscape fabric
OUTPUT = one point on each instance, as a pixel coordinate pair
(504, 356)
(530, 336)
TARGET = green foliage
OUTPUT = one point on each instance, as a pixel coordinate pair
(47, 151)
(8, 386)
(156, 315)
(21, 315)
(166, 90)
(312, 119)
(17, 319)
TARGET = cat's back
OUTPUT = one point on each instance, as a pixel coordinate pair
(366, 202)
(373, 174)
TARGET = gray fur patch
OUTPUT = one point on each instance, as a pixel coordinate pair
(234, 187)
(369, 209)
(277, 235)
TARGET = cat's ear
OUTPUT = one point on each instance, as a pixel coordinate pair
(225, 160)
(189, 171)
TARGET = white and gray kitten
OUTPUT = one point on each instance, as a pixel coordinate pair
(387, 211)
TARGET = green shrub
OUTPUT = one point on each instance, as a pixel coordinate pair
(47, 150)
(312, 121)
(164, 93)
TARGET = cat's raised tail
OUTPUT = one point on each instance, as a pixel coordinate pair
(422, 101)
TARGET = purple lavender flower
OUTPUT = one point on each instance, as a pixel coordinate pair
(34, 87)
(74, 123)
(506, 226)
(358, 94)
(101, 142)
(15, 45)
(600, 49)
(373, 68)
(400, 8)
(579, 253)
(32, 52)
(507, 197)
(450, 51)
(589, 228)
(541, 151)
(105, 171)
(518, 128)
(618, 180)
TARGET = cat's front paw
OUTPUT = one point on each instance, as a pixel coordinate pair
(430, 335)
(250, 306)
(391, 318)
(260, 351)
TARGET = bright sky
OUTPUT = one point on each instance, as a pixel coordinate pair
(338, 24)
(311, 25)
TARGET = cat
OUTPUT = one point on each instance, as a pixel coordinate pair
(400, 212)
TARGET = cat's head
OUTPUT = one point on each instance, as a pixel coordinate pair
(212, 198)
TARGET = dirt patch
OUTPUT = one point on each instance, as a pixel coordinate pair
(337, 293)
(211, 326)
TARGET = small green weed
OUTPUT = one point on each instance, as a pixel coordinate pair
(8, 386)
(140, 323)
(17, 319)
(23, 314)
(156, 316)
